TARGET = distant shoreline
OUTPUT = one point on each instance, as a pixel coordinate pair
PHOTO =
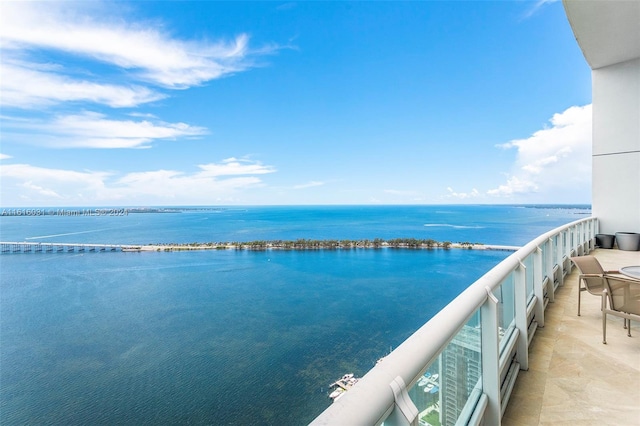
(398, 243)
(297, 245)
(125, 211)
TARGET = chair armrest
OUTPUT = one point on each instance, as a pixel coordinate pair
(623, 278)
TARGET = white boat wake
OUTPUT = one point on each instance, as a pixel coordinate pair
(447, 225)
(42, 237)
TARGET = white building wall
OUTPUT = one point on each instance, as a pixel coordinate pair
(616, 147)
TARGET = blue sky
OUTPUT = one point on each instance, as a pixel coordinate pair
(224, 103)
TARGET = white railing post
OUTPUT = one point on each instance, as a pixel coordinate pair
(568, 246)
(559, 256)
(571, 240)
(520, 295)
(491, 359)
(581, 241)
(593, 226)
(405, 412)
(538, 290)
(551, 291)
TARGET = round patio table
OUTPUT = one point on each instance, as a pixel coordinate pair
(631, 271)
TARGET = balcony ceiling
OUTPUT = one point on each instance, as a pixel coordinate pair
(608, 31)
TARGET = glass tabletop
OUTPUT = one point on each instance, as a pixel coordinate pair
(631, 271)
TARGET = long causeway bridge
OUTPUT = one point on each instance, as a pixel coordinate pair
(27, 247)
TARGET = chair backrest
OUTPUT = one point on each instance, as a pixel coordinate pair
(624, 295)
(589, 265)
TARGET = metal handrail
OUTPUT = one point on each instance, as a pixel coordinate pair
(373, 399)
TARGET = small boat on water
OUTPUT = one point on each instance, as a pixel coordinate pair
(337, 393)
(342, 385)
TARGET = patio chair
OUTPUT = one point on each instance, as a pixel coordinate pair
(622, 295)
(592, 277)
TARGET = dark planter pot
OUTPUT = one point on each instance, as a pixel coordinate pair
(629, 241)
(605, 241)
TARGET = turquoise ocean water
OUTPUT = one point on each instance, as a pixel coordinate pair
(226, 337)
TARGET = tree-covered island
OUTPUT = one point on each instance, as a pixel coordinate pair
(310, 244)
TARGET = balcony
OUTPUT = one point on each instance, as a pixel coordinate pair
(572, 376)
(510, 350)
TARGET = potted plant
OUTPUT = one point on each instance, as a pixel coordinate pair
(605, 241)
(629, 241)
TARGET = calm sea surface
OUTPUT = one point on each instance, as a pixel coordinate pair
(226, 337)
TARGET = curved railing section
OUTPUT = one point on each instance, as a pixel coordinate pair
(460, 367)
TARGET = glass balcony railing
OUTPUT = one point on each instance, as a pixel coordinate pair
(460, 367)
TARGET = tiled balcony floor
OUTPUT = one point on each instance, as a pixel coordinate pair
(574, 379)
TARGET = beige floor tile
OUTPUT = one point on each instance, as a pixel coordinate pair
(573, 378)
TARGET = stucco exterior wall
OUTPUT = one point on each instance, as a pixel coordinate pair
(616, 147)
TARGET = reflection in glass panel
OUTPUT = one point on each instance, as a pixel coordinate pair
(444, 391)
(572, 239)
(545, 270)
(506, 305)
(528, 262)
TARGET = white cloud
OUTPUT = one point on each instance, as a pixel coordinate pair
(74, 53)
(4, 156)
(234, 166)
(28, 173)
(145, 48)
(403, 193)
(514, 186)
(311, 184)
(539, 4)
(24, 184)
(41, 191)
(554, 159)
(94, 130)
(462, 195)
(71, 54)
(26, 86)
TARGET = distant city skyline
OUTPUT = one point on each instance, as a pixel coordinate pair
(255, 103)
